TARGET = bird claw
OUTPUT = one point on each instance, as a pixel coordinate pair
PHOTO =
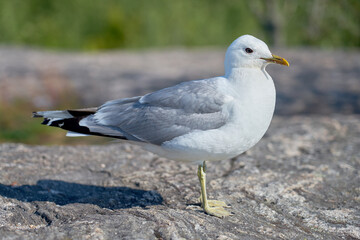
(215, 203)
(219, 212)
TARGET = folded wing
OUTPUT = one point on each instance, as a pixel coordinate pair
(156, 117)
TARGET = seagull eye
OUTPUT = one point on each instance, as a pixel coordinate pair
(249, 50)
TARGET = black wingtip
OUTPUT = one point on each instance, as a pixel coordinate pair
(46, 121)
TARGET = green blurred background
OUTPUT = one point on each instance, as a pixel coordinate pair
(93, 25)
(84, 25)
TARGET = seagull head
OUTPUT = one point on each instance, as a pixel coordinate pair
(249, 52)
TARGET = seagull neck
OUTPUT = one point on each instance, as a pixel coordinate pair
(238, 73)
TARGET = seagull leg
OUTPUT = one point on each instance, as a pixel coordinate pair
(211, 207)
(211, 203)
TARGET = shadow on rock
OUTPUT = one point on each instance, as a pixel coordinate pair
(63, 193)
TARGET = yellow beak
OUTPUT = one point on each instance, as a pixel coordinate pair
(277, 59)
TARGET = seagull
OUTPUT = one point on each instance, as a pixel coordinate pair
(195, 121)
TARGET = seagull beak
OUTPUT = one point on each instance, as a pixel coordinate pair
(277, 59)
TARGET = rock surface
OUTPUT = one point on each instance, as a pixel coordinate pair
(300, 182)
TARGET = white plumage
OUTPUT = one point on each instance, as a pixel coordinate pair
(196, 121)
(210, 119)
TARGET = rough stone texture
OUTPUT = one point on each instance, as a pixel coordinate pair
(318, 81)
(300, 182)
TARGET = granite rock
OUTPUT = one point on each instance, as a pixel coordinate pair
(300, 182)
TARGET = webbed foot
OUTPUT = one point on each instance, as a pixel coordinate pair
(217, 211)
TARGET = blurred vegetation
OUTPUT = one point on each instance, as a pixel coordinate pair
(96, 25)
(93, 25)
(18, 126)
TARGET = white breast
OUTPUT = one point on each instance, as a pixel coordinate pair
(250, 109)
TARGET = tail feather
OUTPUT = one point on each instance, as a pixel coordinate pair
(71, 120)
(65, 113)
(75, 134)
(52, 114)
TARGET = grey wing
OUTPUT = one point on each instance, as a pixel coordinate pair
(166, 114)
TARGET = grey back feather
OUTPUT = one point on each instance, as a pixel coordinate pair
(165, 114)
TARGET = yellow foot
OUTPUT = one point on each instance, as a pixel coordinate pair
(217, 211)
(215, 203)
(211, 207)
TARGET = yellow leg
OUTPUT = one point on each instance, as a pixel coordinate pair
(211, 207)
(214, 203)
